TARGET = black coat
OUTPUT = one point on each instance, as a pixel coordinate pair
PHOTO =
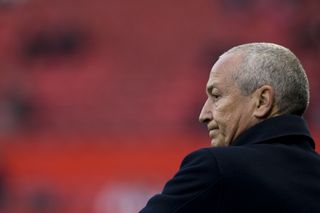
(272, 167)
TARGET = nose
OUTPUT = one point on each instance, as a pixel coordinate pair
(205, 114)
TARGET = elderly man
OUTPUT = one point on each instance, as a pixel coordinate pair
(262, 157)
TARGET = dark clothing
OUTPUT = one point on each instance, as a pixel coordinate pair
(271, 167)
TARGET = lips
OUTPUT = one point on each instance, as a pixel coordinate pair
(213, 130)
(212, 127)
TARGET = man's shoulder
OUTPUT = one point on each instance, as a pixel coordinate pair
(216, 152)
(225, 159)
(245, 153)
(216, 157)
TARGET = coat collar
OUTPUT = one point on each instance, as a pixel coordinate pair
(275, 127)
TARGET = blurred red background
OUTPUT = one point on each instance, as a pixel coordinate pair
(99, 99)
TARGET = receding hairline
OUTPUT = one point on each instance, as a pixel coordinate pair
(256, 56)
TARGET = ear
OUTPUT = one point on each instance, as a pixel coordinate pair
(264, 101)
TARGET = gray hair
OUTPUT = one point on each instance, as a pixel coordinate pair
(274, 65)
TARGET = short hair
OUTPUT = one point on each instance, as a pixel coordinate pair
(274, 65)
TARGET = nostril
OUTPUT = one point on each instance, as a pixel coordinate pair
(203, 119)
(206, 120)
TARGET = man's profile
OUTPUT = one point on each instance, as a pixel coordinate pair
(262, 157)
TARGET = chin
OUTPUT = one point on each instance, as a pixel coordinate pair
(215, 143)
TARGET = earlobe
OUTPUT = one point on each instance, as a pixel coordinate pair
(264, 101)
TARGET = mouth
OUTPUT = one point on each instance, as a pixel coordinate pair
(213, 129)
(213, 132)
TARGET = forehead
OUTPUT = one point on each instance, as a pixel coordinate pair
(222, 71)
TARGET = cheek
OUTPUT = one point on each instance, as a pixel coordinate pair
(224, 116)
(223, 111)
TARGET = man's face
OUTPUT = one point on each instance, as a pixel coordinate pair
(226, 112)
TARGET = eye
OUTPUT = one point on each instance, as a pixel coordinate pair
(215, 96)
(213, 93)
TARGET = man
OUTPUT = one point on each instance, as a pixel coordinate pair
(262, 157)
